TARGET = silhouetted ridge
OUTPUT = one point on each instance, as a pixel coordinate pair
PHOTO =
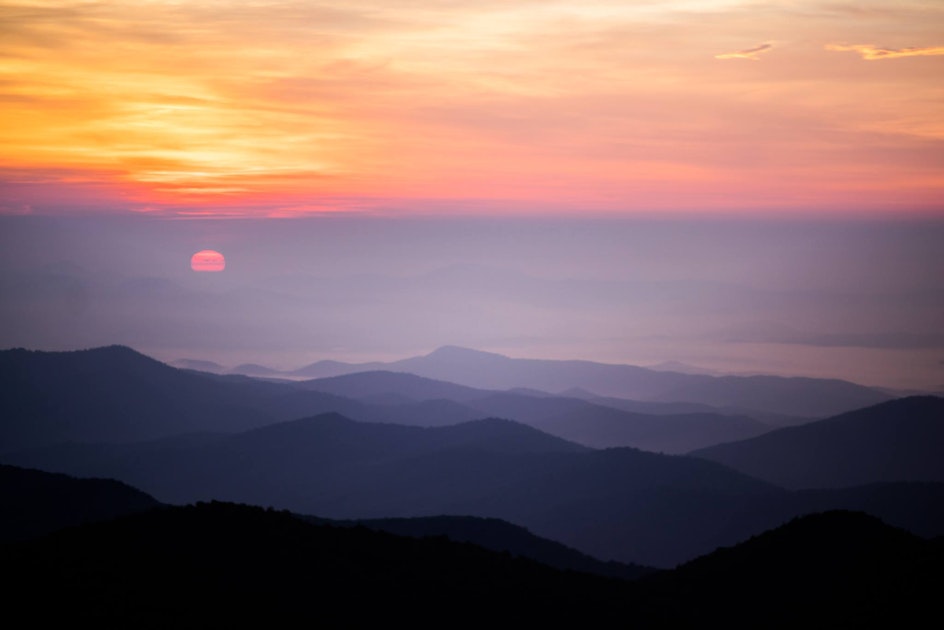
(411, 386)
(221, 564)
(77, 361)
(460, 353)
(36, 503)
(917, 507)
(500, 435)
(827, 570)
(618, 504)
(841, 538)
(573, 419)
(899, 440)
(115, 394)
(228, 565)
(325, 433)
(768, 394)
(499, 535)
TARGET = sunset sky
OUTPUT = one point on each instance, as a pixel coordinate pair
(495, 106)
(746, 186)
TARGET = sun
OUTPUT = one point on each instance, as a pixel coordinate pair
(208, 260)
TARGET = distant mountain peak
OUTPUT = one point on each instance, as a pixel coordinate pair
(458, 352)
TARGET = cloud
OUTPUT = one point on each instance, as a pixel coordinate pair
(870, 52)
(748, 53)
(542, 104)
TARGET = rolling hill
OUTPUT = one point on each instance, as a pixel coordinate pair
(620, 504)
(117, 395)
(183, 436)
(37, 503)
(900, 440)
(616, 504)
(216, 564)
(437, 403)
(805, 397)
(837, 569)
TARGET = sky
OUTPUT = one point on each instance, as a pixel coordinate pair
(745, 186)
(296, 107)
(860, 300)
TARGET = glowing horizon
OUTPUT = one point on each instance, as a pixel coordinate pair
(296, 108)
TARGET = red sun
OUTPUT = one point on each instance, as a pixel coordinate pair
(207, 260)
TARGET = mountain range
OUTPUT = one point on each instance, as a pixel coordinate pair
(37, 503)
(599, 423)
(235, 565)
(804, 397)
(401, 445)
(117, 395)
(621, 504)
(900, 440)
(123, 396)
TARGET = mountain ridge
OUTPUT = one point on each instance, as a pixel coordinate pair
(177, 565)
(800, 396)
(898, 440)
(118, 395)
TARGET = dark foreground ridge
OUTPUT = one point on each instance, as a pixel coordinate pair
(835, 569)
(228, 565)
(219, 564)
(501, 536)
(35, 503)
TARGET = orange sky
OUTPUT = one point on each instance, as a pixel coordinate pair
(285, 108)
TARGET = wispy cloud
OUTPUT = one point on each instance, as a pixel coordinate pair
(290, 102)
(748, 53)
(871, 52)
